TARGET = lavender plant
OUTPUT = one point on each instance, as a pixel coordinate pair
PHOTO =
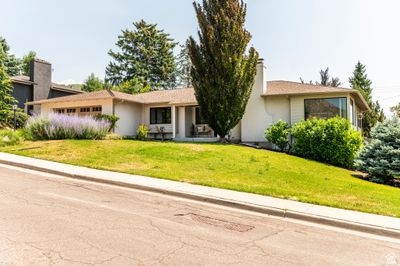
(60, 126)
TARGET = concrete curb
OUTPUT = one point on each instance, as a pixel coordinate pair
(273, 211)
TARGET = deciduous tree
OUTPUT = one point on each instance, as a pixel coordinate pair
(396, 110)
(92, 83)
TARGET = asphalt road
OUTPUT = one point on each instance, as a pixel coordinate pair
(50, 220)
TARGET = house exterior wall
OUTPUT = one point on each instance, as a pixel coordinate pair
(255, 117)
(130, 117)
(22, 93)
(106, 104)
(297, 104)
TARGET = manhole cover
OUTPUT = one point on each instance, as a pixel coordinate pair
(218, 222)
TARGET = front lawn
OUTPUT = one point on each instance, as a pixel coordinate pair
(224, 166)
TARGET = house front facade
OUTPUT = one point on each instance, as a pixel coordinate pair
(38, 86)
(174, 114)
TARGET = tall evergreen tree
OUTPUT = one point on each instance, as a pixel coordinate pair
(146, 53)
(360, 81)
(6, 99)
(184, 66)
(92, 83)
(11, 62)
(222, 72)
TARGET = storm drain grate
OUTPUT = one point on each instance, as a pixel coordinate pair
(218, 222)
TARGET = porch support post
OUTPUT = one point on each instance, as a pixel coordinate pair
(182, 122)
(173, 118)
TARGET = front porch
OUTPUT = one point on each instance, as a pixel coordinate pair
(180, 123)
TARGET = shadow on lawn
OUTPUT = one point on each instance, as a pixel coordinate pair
(395, 182)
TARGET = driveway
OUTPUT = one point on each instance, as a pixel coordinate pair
(46, 219)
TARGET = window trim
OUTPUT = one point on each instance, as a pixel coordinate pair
(328, 98)
(164, 117)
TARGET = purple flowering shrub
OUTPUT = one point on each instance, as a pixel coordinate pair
(61, 126)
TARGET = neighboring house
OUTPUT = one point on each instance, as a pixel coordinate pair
(38, 86)
(176, 113)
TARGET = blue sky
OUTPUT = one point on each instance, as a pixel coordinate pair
(296, 38)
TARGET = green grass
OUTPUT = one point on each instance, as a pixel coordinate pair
(225, 166)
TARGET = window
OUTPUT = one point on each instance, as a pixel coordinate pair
(71, 111)
(85, 110)
(325, 108)
(160, 115)
(59, 111)
(96, 109)
(199, 119)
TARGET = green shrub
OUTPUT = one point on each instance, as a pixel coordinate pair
(381, 156)
(20, 120)
(278, 135)
(11, 137)
(112, 119)
(142, 132)
(332, 141)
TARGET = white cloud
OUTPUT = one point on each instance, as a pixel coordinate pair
(69, 82)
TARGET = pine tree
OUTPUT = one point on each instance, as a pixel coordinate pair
(380, 158)
(360, 81)
(146, 53)
(6, 99)
(11, 63)
(92, 83)
(222, 73)
(184, 65)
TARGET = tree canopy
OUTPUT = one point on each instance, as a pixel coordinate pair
(396, 110)
(184, 66)
(325, 80)
(11, 63)
(6, 99)
(145, 54)
(26, 62)
(223, 69)
(92, 83)
(360, 81)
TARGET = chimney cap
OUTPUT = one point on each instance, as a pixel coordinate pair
(41, 61)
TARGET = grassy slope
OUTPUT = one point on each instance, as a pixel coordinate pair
(225, 166)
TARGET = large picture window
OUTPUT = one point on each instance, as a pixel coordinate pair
(325, 108)
(160, 115)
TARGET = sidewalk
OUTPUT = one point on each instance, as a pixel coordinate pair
(353, 220)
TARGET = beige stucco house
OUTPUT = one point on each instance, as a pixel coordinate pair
(174, 114)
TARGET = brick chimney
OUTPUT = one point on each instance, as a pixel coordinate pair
(40, 74)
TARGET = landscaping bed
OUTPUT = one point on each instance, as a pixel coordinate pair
(224, 166)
